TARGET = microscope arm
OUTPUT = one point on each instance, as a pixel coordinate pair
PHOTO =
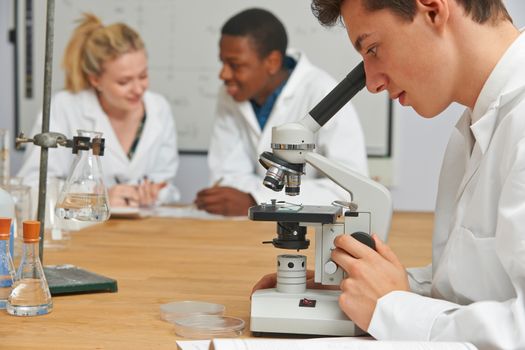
(290, 137)
(293, 143)
(371, 196)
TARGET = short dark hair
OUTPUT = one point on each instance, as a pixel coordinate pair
(266, 31)
(328, 12)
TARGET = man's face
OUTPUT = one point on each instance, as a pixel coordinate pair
(405, 58)
(245, 74)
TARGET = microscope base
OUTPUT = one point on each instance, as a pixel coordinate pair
(276, 312)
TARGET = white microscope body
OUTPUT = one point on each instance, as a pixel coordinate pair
(291, 307)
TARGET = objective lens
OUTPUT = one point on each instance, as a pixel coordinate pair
(293, 184)
(273, 178)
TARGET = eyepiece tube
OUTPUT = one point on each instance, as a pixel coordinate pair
(340, 95)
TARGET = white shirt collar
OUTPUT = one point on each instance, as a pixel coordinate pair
(503, 78)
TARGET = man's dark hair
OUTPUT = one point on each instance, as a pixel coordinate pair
(265, 30)
(328, 12)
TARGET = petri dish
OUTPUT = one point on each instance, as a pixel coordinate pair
(208, 326)
(180, 309)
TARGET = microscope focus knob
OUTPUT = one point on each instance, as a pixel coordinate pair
(330, 267)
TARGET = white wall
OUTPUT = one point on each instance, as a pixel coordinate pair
(191, 176)
(418, 143)
(187, 74)
(7, 106)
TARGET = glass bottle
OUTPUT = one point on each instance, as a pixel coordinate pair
(4, 157)
(7, 210)
(30, 295)
(84, 196)
(7, 270)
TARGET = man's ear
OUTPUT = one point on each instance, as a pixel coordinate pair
(274, 62)
(435, 12)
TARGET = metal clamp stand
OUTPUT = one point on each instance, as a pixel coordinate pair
(63, 279)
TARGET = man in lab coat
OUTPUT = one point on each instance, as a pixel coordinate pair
(266, 86)
(428, 54)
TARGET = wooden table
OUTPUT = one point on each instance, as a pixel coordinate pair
(158, 260)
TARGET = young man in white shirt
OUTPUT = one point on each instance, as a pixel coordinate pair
(428, 54)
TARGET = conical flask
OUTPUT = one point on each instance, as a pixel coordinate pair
(30, 295)
(84, 196)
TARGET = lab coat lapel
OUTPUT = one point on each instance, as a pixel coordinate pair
(455, 162)
(483, 130)
(148, 137)
(250, 118)
(471, 169)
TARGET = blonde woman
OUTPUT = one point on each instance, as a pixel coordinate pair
(106, 82)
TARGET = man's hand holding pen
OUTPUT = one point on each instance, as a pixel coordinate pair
(224, 200)
(142, 194)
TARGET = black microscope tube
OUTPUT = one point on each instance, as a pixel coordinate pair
(340, 95)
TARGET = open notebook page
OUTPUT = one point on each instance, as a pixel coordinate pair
(347, 343)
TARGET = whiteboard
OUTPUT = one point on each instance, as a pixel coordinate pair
(181, 38)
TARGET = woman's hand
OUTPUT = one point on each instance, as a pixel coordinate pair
(123, 195)
(145, 194)
(149, 192)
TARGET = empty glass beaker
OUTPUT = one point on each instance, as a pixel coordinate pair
(21, 195)
(84, 196)
(55, 234)
(30, 295)
(7, 270)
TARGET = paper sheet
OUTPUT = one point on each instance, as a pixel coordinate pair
(193, 344)
(125, 212)
(346, 343)
(189, 211)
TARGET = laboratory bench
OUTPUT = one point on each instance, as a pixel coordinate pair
(159, 260)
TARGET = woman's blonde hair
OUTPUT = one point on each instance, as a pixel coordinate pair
(91, 45)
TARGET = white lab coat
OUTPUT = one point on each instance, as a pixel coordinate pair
(475, 289)
(237, 139)
(156, 155)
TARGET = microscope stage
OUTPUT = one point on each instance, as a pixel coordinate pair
(285, 212)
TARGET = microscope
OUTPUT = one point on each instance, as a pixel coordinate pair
(290, 307)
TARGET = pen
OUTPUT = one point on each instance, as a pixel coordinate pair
(126, 199)
(218, 182)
